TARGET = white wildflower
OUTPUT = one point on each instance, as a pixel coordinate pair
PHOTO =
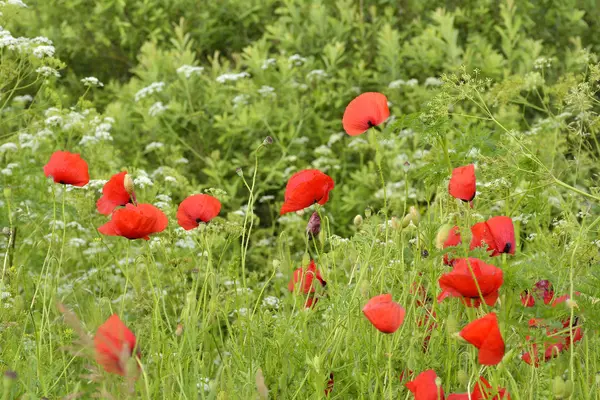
(412, 82)
(431, 81)
(266, 198)
(143, 181)
(23, 99)
(156, 109)
(396, 84)
(240, 100)
(266, 91)
(271, 301)
(153, 146)
(155, 87)
(316, 74)
(43, 51)
(232, 77)
(8, 147)
(17, 3)
(91, 81)
(55, 120)
(189, 70)
(77, 242)
(170, 179)
(182, 160)
(47, 71)
(268, 62)
(6, 171)
(296, 60)
(204, 384)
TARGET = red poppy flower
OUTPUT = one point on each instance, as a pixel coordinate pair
(67, 168)
(484, 334)
(305, 188)
(385, 315)
(462, 183)
(423, 387)
(551, 350)
(113, 194)
(497, 232)
(452, 240)
(306, 278)
(482, 391)
(114, 344)
(197, 208)
(365, 111)
(465, 278)
(135, 222)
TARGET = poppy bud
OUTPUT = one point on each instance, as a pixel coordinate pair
(438, 382)
(571, 304)
(239, 171)
(395, 223)
(268, 140)
(128, 184)
(358, 220)
(442, 235)
(313, 228)
(462, 377)
(179, 330)
(406, 166)
(367, 212)
(412, 216)
(558, 387)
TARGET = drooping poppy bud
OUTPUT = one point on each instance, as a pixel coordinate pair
(313, 228)
(385, 315)
(197, 208)
(135, 222)
(306, 188)
(472, 279)
(114, 194)
(412, 216)
(462, 183)
(484, 333)
(114, 344)
(425, 387)
(67, 168)
(365, 111)
(498, 233)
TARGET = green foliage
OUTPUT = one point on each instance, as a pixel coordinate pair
(187, 93)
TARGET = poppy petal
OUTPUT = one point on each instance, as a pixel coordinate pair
(197, 208)
(365, 111)
(113, 340)
(305, 188)
(67, 168)
(424, 387)
(113, 194)
(462, 184)
(484, 333)
(385, 315)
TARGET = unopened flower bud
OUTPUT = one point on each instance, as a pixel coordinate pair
(395, 223)
(239, 171)
(128, 184)
(406, 166)
(438, 382)
(463, 377)
(571, 304)
(558, 387)
(179, 330)
(367, 212)
(313, 228)
(412, 216)
(268, 140)
(442, 235)
(358, 220)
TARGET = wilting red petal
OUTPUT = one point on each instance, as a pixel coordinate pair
(197, 208)
(484, 334)
(527, 299)
(306, 188)
(67, 168)
(114, 344)
(385, 315)
(306, 276)
(113, 194)
(462, 183)
(135, 222)
(465, 278)
(423, 387)
(365, 111)
(497, 232)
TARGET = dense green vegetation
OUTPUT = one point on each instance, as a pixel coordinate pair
(183, 93)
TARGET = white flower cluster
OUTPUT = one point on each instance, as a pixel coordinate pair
(296, 60)
(91, 81)
(47, 71)
(432, 81)
(22, 99)
(266, 91)
(399, 83)
(155, 87)
(268, 62)
(8, 169)
(39, 46)
(316, 75)
(101, 131)
(189, 70)
(232, 77)
(156, 109)
(153, 146)
(17, 3)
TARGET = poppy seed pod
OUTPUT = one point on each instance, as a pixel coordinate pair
(313, 228)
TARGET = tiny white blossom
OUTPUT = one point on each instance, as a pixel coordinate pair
(47, 71)
(182, 160)
(142, 181)
(432, 81)
(23, 99)
(396, 84)
(296, 60)
(155, 87)
(240, 99)
(18, 3)
(77, 242)
(271, 301)
(268, 62)
(156, 109)
(232, 77)
(43, 51)
(55, 120)
(153, 146)
(266, 91)
(189, 70)
(8, 147)
(92, 82)
(316, 74)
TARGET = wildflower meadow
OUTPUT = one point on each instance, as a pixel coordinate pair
(300, 199)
